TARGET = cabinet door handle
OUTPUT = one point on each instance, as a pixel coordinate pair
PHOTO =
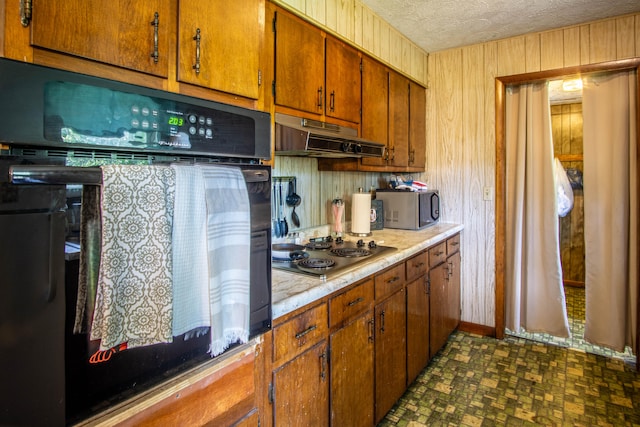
(382, 322)
(155, 23)
(418, 265)
(25, 12)
(355, 301)
(320, 97)
(439, 253)
(372, 328)
(306, 331)
(197, 39)
(393, 279)
(332, 100)
(323, 366)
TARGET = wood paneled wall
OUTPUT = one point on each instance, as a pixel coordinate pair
(318, 189)
(461, 130)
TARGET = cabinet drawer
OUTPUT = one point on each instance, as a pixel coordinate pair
(350, 303)
(299, 333)
(437, 254)
(453, 244)
(417, 266)
(389, 281)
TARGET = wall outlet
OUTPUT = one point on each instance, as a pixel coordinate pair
(487, 193)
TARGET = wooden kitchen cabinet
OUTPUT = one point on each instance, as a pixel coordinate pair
(352, 356)
(391, 352)
(352, 373)
(417, 315)
(299, 64)
(375, 104)
(394, 114)
(390, 338)
(397, 121)
(219, 45)
(314, 72)
(417, 126)
(444, 276)
(133, 35)
(300, 389)
(343, 81)
(398, 144)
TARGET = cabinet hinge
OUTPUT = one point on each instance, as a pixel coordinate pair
(25, 12)
(271, 392)
(259, 77)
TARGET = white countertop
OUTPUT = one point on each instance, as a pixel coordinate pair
(291, 291)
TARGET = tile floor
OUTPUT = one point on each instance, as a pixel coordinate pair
(481, 381)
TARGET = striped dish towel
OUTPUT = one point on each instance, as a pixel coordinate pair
(134, 292)
(228, 250)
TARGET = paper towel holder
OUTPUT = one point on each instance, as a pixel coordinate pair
(358, 233)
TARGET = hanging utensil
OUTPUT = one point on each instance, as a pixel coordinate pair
(285, 225)
(275, 221)
(293, 200)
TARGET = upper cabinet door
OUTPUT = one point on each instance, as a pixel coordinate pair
(119, 32)
(299, 64)
(219, 45)
(417, 125)
(398, 120)
(375, 102)
(343, 78)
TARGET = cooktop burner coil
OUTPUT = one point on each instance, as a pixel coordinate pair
(316, 263)
(318, 245)
(351, 252)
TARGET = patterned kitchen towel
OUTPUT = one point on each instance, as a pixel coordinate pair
(134, 295)
(89, 258)
(190, 269)
(229, 250)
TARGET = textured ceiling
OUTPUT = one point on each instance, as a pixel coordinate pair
(436, 25)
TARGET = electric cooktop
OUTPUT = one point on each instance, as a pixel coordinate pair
(326, 257)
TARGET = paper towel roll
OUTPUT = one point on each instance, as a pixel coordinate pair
(361, 213)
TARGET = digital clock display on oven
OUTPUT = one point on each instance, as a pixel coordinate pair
(176, 121)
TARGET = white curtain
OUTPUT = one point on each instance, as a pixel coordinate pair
(534, 294)
(610, 209)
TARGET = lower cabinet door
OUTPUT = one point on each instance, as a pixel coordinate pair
(417, 328)
(301, 389)
(439, 308)
(391, 352)
(352, 373)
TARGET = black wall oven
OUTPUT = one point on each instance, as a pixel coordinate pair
(56, 129)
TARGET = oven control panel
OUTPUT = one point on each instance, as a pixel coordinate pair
(98, 116)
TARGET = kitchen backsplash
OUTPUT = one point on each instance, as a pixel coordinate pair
(318, 189)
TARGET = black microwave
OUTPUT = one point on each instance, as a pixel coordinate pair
(410, 210)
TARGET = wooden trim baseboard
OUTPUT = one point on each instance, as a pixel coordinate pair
(475, 328)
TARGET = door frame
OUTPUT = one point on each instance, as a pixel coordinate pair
(500, 197)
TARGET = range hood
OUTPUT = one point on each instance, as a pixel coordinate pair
(305, 137)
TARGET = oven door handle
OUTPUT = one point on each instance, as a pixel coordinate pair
(62, 175)
(54, 175)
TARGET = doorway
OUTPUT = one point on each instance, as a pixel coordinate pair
(501, 84)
